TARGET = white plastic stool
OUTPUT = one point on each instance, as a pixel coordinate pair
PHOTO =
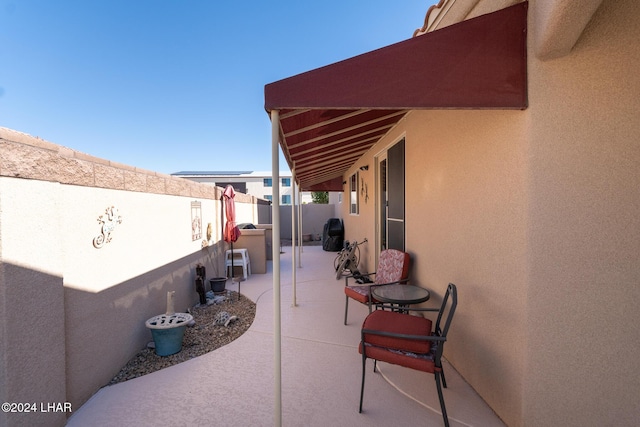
(240, 258)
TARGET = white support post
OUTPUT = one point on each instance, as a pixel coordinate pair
(293, 235)
(300, 229)
(275, 250)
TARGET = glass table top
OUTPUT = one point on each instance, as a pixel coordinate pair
(400, 294)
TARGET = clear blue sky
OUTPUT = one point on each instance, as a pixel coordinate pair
(171, 85)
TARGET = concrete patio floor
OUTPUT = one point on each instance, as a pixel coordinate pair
(321, 371)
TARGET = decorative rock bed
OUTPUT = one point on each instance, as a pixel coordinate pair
(203, 337)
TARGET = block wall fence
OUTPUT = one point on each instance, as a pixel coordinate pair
(89, 249)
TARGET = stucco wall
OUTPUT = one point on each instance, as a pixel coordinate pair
(466, 219)
(255, 242)
(584, 323)
(110, 292)
(534, 215)
(32, 316)
(314, 216)
(73, 314)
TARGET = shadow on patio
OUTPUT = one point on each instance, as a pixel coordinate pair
(321, 371)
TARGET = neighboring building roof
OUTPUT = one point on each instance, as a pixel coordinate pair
(212, 173)
(231, 173)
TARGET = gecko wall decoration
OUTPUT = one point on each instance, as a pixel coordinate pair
(109, 220)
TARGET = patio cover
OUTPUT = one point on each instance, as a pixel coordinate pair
(330, 116)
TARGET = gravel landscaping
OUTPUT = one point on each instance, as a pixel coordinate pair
(203, 337)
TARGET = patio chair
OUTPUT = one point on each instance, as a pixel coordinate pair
(393, 267)
(410, 341)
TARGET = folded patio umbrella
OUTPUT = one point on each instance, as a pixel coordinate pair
(231, 230)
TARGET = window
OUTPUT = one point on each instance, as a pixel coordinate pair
(286, 182)
(267, 182)
(268, 197)
(353, 194)
(286, 199)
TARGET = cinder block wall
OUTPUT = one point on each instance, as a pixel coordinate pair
(72, 314)
(314, 217)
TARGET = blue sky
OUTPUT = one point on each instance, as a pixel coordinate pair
(170, 85)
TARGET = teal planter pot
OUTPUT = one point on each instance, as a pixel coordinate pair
(168, 341)
(167, 331)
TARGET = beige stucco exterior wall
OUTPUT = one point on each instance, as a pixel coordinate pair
(584, 323)
(255, 242)
(467, 214)
(110, 292)
(32, 344)
(534, 215)
(466, 222)
(72, 314)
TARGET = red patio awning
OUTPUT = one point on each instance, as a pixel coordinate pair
(331, 116)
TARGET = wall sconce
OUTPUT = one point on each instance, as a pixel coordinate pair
(364, 168)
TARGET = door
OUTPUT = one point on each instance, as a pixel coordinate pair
(395, 197)
(391, 198)
(382, 203)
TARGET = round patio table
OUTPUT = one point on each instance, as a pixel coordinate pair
(401, 295)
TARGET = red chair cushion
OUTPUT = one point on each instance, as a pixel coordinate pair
(398, 323)
(420, 362)
(359, 293)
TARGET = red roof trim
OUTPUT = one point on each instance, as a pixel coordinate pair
(332, 115)
(478, 63)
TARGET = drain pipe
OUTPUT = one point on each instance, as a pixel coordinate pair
(275, 250)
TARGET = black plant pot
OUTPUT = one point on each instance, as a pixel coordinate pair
(218, 284)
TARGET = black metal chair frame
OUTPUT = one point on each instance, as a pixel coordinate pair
(439, 336)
